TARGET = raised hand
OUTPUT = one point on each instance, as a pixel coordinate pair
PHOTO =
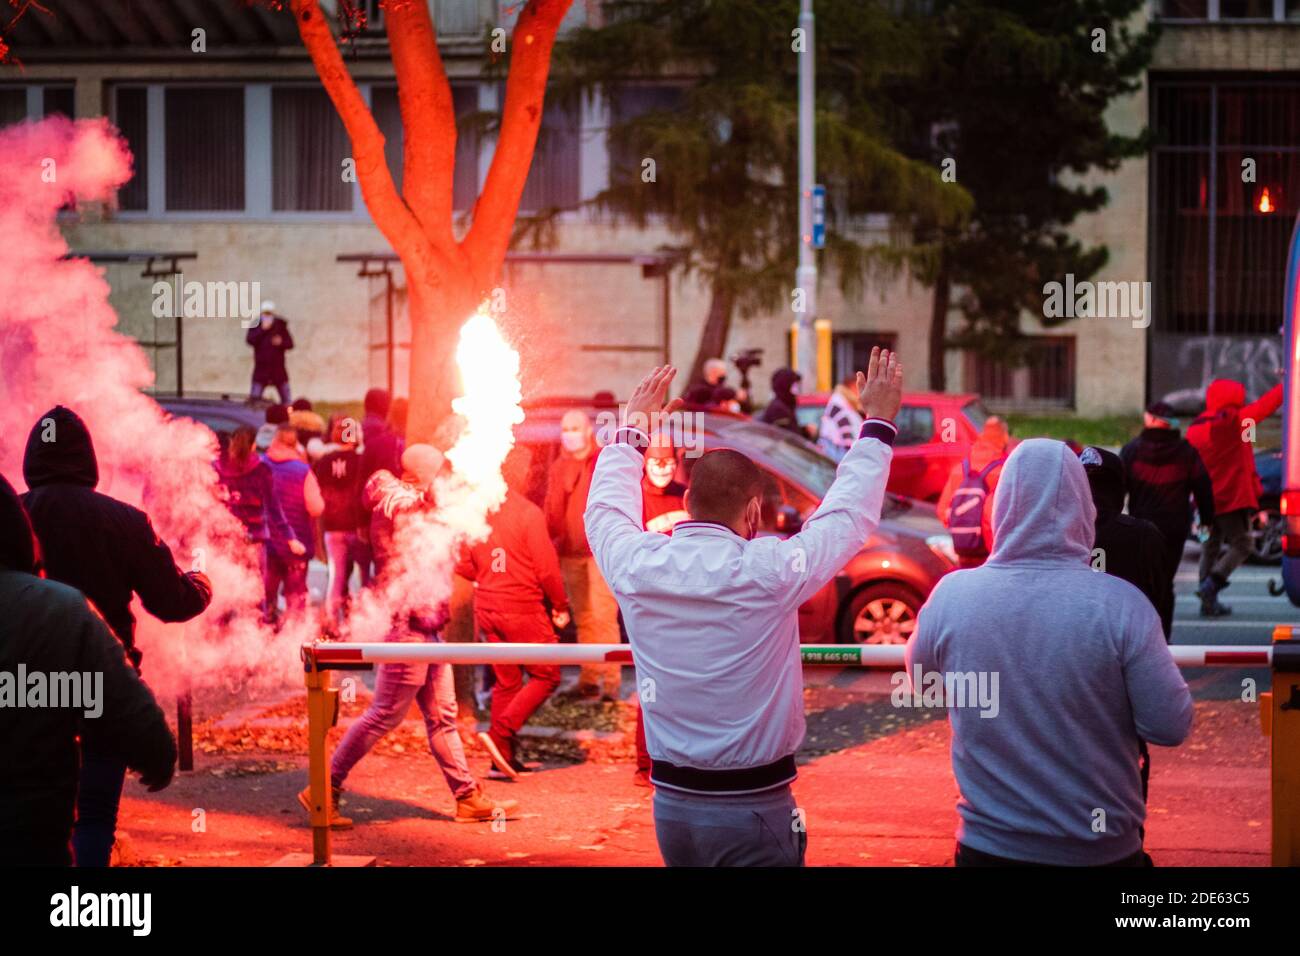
(881, 389)
(647, 401)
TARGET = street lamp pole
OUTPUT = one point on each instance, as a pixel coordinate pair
(806, 274)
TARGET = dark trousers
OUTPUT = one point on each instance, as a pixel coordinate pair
(260, 384)
(99, 793)
(1229, 544)
(23, 846)
(965, 856)
(760, 829)
(513, 700)
(289, 572)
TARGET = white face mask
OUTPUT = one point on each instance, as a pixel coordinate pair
(574, 440)
(660, 472)
(754, 518)
(794, 389)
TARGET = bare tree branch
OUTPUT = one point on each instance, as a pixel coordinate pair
(521, 118)
(390, 213)
(428, 119)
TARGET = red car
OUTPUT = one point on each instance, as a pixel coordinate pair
(935, 431)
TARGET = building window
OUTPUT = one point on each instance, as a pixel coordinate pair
(308, 149)
(384, 106)
(1225, 193)
(1184, 9)
(131, 115)
(1046, 380)
(13, 105)
(554, 181)
(1230, 10)
(626, 104)
(58, 101)
(205, 148)
(35, 101)
(851, 351)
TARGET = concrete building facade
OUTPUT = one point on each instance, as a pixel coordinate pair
(237, 150)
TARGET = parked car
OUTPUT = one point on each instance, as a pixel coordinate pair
(222, 413)
(875, 598)
(935, 431)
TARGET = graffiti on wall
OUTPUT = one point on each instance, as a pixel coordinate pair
(1255, 361)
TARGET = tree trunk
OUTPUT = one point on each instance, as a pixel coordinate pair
(939, 324)
(713, 337)
(437, 314)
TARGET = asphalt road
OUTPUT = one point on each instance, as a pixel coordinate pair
(1255, 612)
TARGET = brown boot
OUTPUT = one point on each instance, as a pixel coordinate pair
(479, 807)
(337, 820)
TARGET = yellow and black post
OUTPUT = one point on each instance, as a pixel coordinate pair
(1280, 710)
(322, 714)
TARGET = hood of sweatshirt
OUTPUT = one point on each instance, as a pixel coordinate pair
(19, 550)
(1224, 393)
(59, 451)
(1042, 508)
(783, 380)
(1105, 473)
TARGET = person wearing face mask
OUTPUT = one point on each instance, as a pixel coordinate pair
(270, 339)
(595, 613)
(662, 497)
(780, 411)
(712, 615)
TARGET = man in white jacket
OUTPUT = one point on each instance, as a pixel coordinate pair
(712, 619)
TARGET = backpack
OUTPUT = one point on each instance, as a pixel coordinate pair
(966, 511)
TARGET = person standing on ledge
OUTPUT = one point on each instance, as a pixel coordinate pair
(270, 339)
(712, 618)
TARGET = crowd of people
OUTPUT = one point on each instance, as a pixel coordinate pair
(621, 547)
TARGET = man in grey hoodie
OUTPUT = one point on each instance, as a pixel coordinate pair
(1048, 770)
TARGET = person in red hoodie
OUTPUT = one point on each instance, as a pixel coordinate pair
(514, 570)
(1224, 435)
(988, 451)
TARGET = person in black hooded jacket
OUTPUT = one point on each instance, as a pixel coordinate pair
(1164, 472)
(108, 550)
(1131, 548)
(780, 410)
(48, 628)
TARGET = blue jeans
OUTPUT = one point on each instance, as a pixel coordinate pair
(258, 389)
(344, 549)
(761, 829)
(99, 793)
(435, 695)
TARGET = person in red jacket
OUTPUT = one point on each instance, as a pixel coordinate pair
(595, 611)
(1224, 435)
(514, 570)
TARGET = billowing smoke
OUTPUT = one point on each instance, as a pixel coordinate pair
(59, 345)
(427, 544)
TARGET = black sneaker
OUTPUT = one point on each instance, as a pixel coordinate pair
(500, 765)
(1214, 608)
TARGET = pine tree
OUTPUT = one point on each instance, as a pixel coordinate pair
(1013, 97)
(724, 152)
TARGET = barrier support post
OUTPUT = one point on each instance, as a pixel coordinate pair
(1282, 723)
(322, 714)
